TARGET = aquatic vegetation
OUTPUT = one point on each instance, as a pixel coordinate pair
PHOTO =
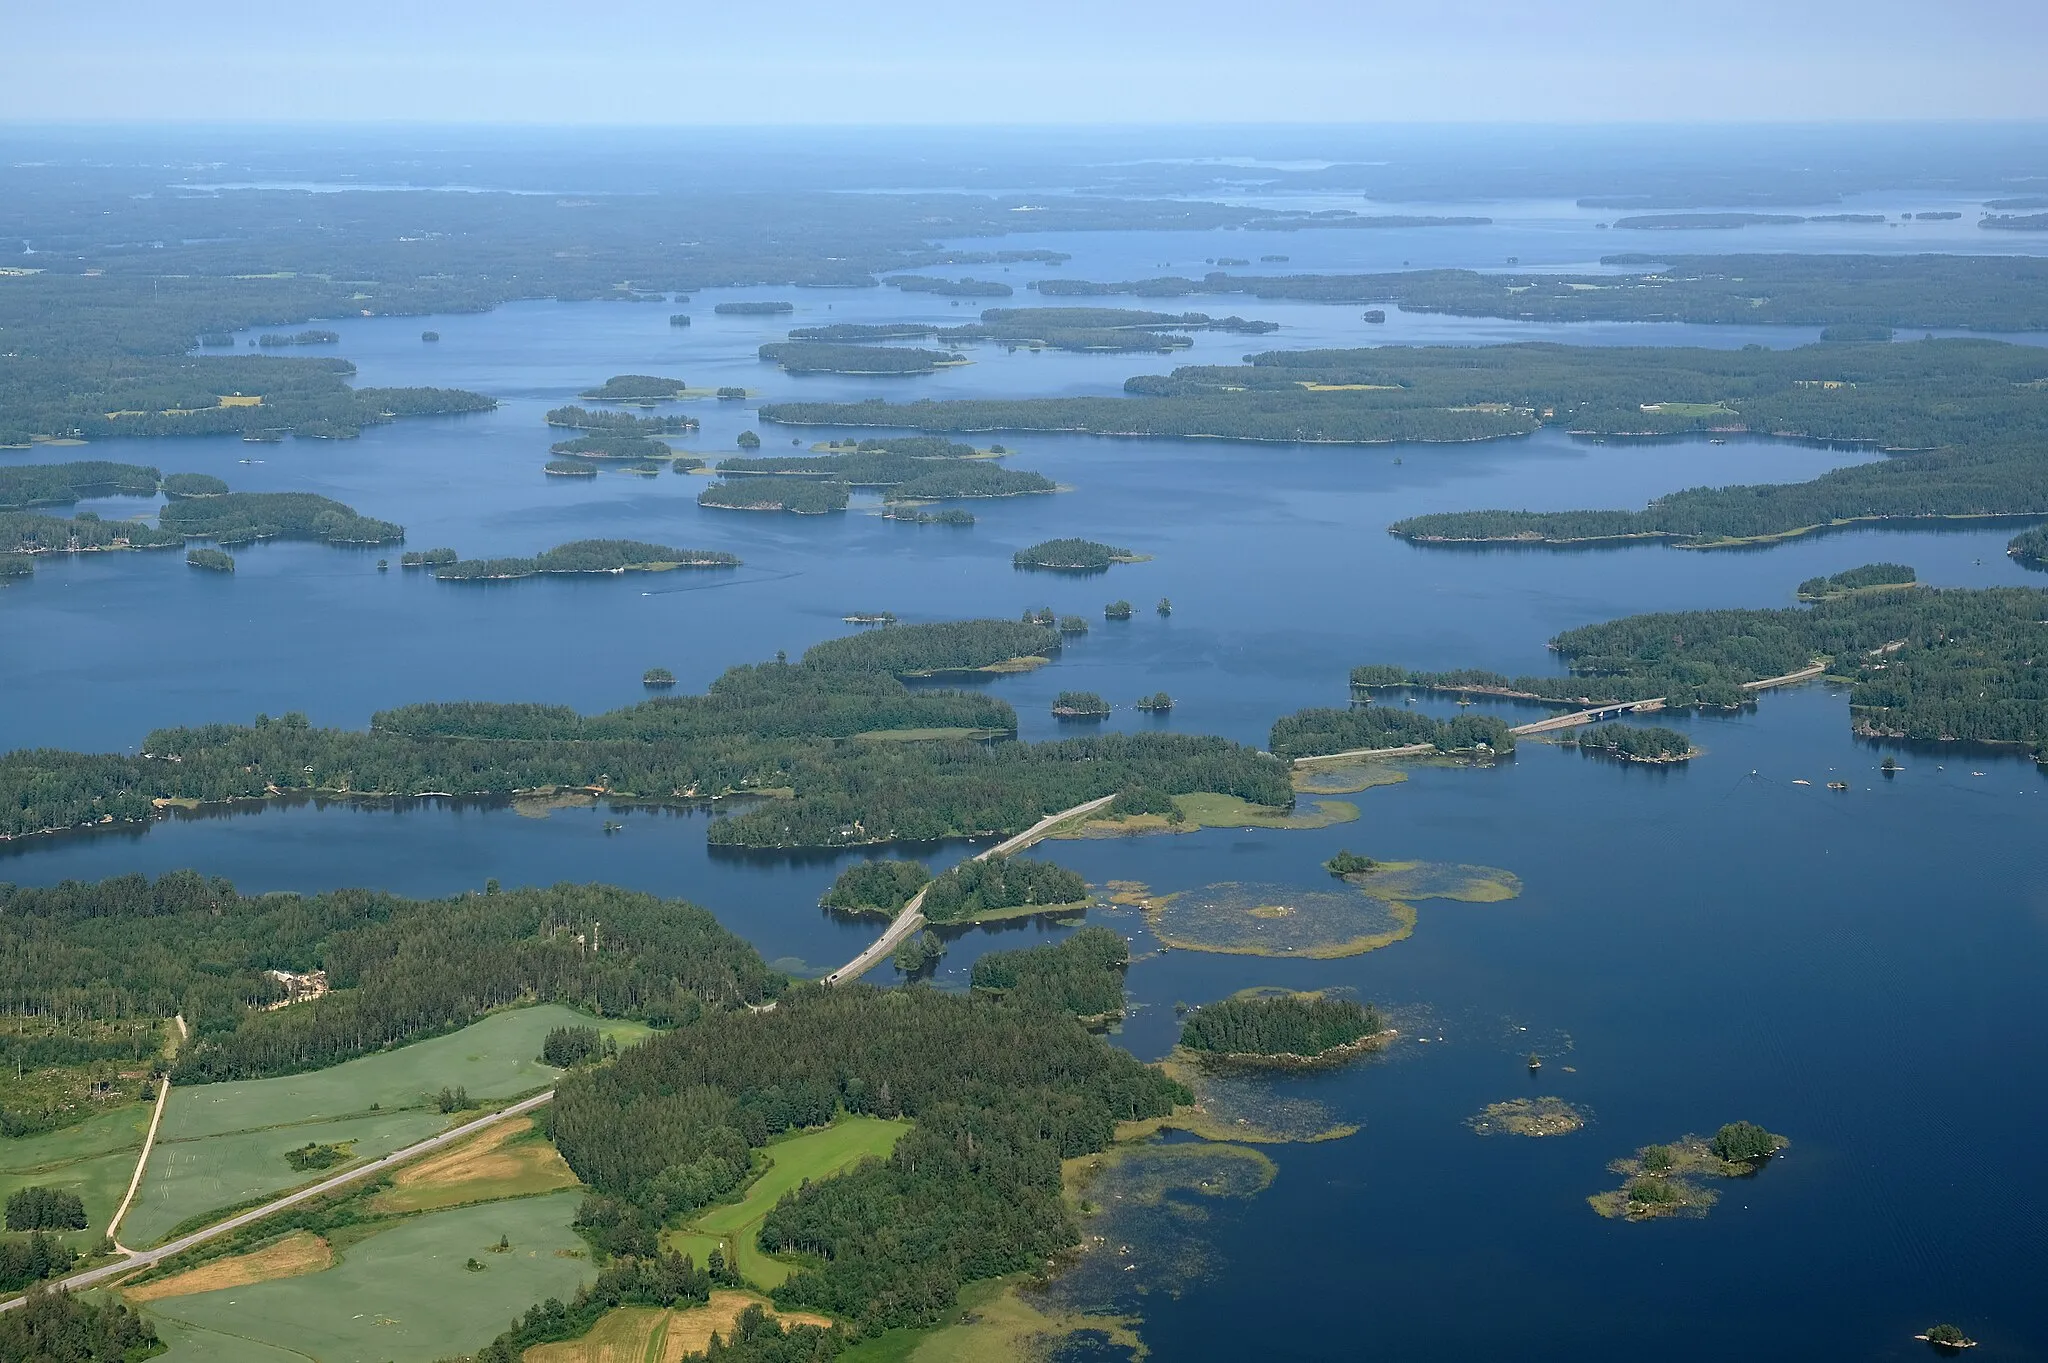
(1666, 1180)
(1206, 810)
(1375, 909)
(1528, 1117)
(1342, 778)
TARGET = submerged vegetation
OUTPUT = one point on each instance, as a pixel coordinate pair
(1535, 1117)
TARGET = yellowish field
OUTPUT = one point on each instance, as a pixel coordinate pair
(299, 1253)
(508, 1160)
(643, 1334)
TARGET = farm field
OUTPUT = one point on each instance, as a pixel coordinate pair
(811, 1156)
(93, 1159)
(403, 1294)
(512, 1159)
(643, 1334)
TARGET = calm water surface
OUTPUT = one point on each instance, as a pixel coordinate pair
(1857, 970)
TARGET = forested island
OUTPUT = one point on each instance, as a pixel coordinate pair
(926, 651)
(1666, 1180)
(623, 423)
(857, 333)
(910, 468)
(1081, 974)
(584, 556)
(427, 558)
(569, 468)
(876, 887)
(613, 445)
(311, 336)
(1686, 222)
(212, 560)
(747, 309)
(950, 288)
(1631, 743)
(1073, 556)
(825, 357)
(803, 496)
(2029, 548)
(1282, 1029)
(243, 517)
(1869, 577)
(1930, 664)
(1097, 329)
(634, 388)
(1080, 705)
(770, 727)
(1976, 293)
(1321, 732)
(194, 485)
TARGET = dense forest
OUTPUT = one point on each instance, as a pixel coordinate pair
(825, 357)
(995, 885)
(1927, 664)
(2029, 548)
(185, 944)
(211, 560)
(240, 517)
(1857, 580)
(635, 388)
(25, 532)
(803, 496)
(613, 445)
(1632, 742)
(774, 726)
(1298, 1026)
(56, 1327)
(950, 288)
(1000, 1091)
(911, 468)
(926, 650)
(1918, 292)
(621, 423)
(1319, 732)
(584, 556)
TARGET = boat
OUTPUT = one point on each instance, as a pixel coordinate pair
(1838, 785)
(1802, 782)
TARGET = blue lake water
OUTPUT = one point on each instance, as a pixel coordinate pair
(1858, 970)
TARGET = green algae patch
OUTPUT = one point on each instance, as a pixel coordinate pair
(1536, 1117)
(1346, 778)
(1663, 1181)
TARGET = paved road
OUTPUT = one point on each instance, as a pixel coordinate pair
(145, 1258)
(912, 916)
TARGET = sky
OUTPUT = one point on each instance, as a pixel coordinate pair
(808, 62)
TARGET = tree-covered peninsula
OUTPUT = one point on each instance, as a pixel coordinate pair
(2029, 548)
(30, 485)
(777, 727)
(1082, 975)
(242, 517)
(1321, 732)
(1097, 329)
(1938, 665)
(26, 532)
(925, 651)
(1001, 887)
(1283, 1028)
(1631, 742)
(1869, 577)
(584, 556)
(876, 887)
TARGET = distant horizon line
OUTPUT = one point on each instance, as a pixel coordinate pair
(9, 123)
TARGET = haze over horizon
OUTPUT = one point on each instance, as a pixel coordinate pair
(1150, 62)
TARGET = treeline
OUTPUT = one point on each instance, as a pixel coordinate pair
(950, 288)
(1299, 1026)
(993, 885)
(999, 1092)
(922, 650)
(311, 336)
(27, 485)
(25, 532)
(1319, 732)
(803, 496)
(57, 1327)
(1947, 664)
(184, 944)
(1081, 974)
(583, 556)
(664, 1280)
(241, 517)
(1976, 293)
(2029, 548)
(754, 309)
(31, 1258)
(822, 357)
(613, 445)
(773, 726)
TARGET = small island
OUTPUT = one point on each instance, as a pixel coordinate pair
(612, 445)
(569, 468)
(585, 556)
(1080, 705)
(1871, 577)
(636, 388)
(870, 618)
(1664, 1180)
(730, 393)
(622, 423)
(1158, 702)
(430, 337)
(987, 888)
(1284, 1030)
(753, 309)
(1532, 1117)
(826, 357)
(1073, 556)
(679, 319)
(800, 496)
(952, 516)
(427, 558)
(657, 679)
(1631, 743)
(213, 560)
(1349, 863)
(178, 486)
(1072, 624)
(272, 339)
(1947, 1339)
(1164, 608)
(1117, 610)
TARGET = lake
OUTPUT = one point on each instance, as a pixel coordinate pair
(1858, 970)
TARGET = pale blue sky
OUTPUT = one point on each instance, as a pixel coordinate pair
(1043, 61)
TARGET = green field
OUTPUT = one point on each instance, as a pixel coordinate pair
(494, 1058)
(93, 1159)
(811, 1155)
(223, 1144)
(400, 1295)
(188, 1177)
